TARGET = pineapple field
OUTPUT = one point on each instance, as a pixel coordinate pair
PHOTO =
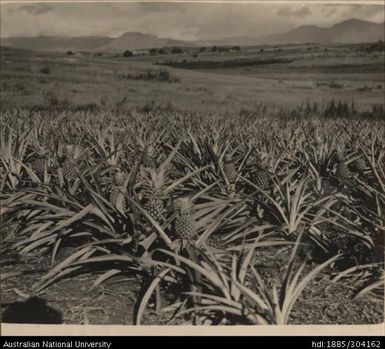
(174, 217)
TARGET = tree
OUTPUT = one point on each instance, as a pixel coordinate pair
(176, 50)
(128, 53)
(153, 51)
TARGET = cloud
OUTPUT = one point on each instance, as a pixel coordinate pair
(329, 10)
(302, 12)
(331, 14)
(284, 12)
(188, 21)
(37, 9)
(162, 7)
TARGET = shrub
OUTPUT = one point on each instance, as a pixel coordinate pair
(160, 75)
(128, 53)
(176, 50)
(54, 102)
(91, 107)
(334, 84)
(45, 70)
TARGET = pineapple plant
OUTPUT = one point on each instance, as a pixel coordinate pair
(292, 206)
(154, 188)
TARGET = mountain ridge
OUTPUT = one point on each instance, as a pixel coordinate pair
(349, 31)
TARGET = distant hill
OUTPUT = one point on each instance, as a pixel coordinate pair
(350, 31)
(57, 43)
(133, 40)
(127, 41)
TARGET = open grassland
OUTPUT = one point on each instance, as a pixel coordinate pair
(169, 217)
(283, 76)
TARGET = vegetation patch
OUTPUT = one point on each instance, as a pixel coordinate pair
(225, 63)
(159, 75)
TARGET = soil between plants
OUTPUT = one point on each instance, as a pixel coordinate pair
(114, 302)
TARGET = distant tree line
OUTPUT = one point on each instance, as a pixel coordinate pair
(225, 49)
(224, 63)
(179, 50)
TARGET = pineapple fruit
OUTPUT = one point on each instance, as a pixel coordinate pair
(38, 161)
(185, 224)
(148, 161)
(38, 166)
(155, 208)
(259, 175)
(342, 171)
(147, 158)
(229, 169)
(69, 167)
(339, 153)
(70, 164)
(262, 178)
(215, 241)
(153, 193)
(359, 165)
(118, 190)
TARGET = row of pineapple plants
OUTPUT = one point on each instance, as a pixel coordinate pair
(186, 202)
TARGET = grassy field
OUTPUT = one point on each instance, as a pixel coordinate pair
(133, 192)
(349, 74)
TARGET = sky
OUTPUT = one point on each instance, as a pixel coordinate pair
(184, 21)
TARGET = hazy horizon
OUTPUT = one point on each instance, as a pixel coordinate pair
(180, 21)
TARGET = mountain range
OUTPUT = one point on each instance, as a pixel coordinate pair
(349, 31)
